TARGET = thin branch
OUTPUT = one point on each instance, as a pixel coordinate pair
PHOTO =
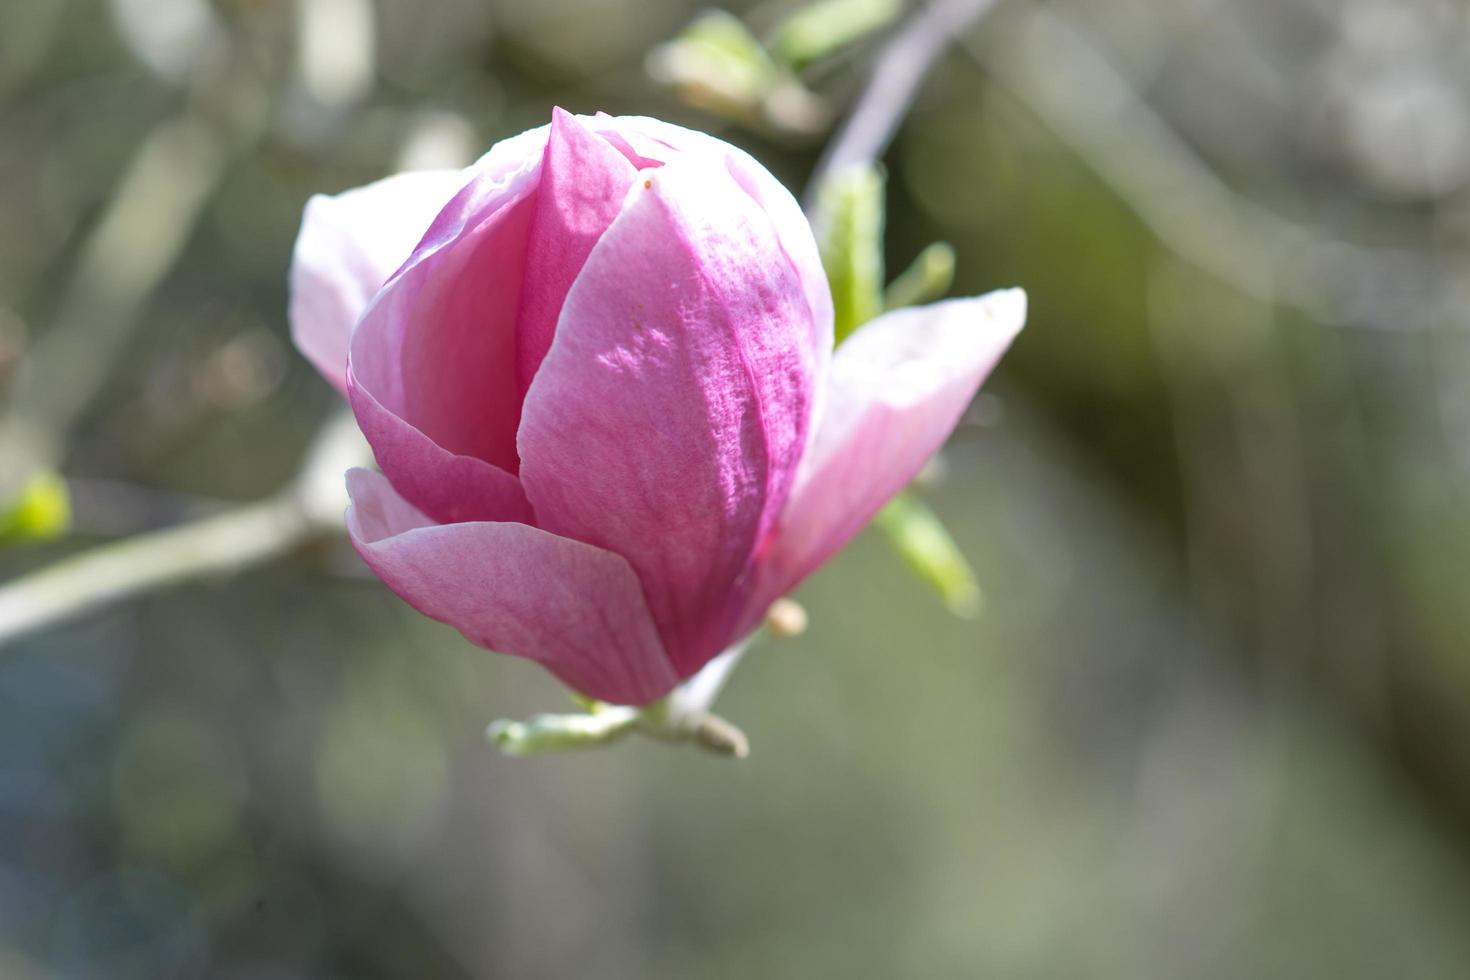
(111, 573)
(1062, 75)
(892, 85)
(223, 543)
(154, 208)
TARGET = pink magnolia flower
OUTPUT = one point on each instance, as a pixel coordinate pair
(596, 371)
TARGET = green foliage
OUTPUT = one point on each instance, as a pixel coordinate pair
(822, 28)
(922, 540)
(926, 280)
(849, 225)
(40, 511)
(717, 64)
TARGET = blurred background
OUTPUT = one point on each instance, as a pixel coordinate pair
(1213, 719)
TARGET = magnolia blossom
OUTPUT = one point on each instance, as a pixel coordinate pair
(596, 371)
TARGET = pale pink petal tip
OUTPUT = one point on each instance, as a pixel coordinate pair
(897, 389)
(349, 245)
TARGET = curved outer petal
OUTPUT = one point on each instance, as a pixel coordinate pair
(574, 608)
(898, 387)
(348, 246)
(432, 368)
(669, 415)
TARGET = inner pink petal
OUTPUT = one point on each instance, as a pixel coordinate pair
(584, 179)
(458, 356)
(643, 151)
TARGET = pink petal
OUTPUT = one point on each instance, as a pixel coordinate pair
(348, 246)
(583, 182)
(668, 416)
(655, 138)
(641, 150)
(797, 242)
(898, 387)
(451, 487)
(573, 608)
(432, 371)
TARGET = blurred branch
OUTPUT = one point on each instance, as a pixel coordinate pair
(114, 572)
(142, 232)
(894, 81)
(144, 228)
(26, 34)
(140, 237)
(108, 508)
(309, 507)
(1062, 75)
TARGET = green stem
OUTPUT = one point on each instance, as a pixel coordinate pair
(561, 733)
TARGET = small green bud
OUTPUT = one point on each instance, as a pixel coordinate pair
(717, 64)
(825, 27)
(39, 511)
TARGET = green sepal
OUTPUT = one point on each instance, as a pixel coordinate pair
(924, 543)
(926, 280)
(849, 226)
